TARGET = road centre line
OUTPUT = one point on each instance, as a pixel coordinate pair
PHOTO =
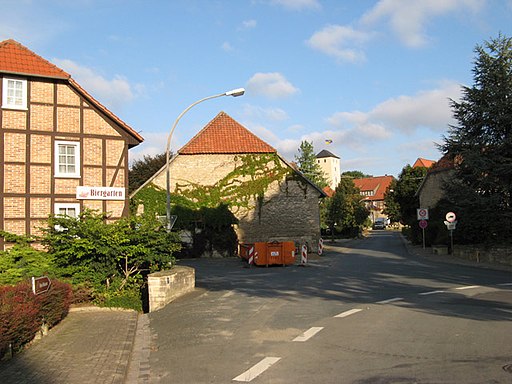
(467, 287)
(257, 369)
(348, 313)
(308, 334)
(390, 300)
(430, 293)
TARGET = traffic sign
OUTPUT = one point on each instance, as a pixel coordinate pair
(422, 213)
(450, 217)
(423, 224)
(40, 284)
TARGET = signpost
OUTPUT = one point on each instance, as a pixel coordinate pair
(423, 224)
(422, 214)
(451, 224)
(40, 284)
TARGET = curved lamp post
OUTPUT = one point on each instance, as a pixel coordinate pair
(234, 93)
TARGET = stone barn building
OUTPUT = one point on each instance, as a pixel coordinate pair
(61, 150)
(271, 200)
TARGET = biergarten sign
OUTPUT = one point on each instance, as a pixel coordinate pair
(100, 193)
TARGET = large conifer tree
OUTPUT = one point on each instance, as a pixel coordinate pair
(481, 146)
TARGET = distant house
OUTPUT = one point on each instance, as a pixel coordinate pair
(225, 160)
(431, 190)
(420, 162)
(62, 151)
(330, 165)
(373, 189)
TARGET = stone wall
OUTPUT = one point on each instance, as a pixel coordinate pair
(166, 286)
(432, 189)
(494, 255)
(289, 210)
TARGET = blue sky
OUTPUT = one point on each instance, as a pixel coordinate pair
(375, 77)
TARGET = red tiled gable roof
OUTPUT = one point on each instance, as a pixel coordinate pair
(17, 59)
(420, 162)
(328, 191)
(444, 163)
(225, 135)
(377, 184)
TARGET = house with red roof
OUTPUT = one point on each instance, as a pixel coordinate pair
(62, 150)
(421, 162)
(227, 163)
(373, 189)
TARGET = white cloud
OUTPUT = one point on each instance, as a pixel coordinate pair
(425, 110)
(249, 24)
(112, 93)
(227, 47)
(297, 5)
(339, 41)
(272, 114)
(408, 18)
(272, 85)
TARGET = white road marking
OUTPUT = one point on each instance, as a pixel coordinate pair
(467, 287)
(390, 300)
(505, 284)
(430, 293)
(348, 313)
(257, 369)
(308, 334)
(228, 294)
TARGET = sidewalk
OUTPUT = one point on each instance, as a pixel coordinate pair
(92, 345)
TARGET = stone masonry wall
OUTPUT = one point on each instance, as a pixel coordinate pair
(290, 209)
(166, 286)
(494, 255)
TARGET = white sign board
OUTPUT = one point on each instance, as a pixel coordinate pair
(450, 217)
(100, 193)
(422, 213)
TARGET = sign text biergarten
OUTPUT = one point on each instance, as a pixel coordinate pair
(100, 193)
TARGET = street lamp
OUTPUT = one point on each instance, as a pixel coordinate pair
(235, 93)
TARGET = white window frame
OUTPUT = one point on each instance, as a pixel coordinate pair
(59, 206)
(58, 173)
(5, 94)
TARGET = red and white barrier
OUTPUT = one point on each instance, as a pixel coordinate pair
(304, 255)
(320, 246)
(250, 260)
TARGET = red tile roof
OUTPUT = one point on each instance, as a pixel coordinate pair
(378, 185)
(18, 59)
(225, 135)
(420, 162)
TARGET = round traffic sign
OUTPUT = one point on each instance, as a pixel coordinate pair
(450, 217)
(423, 224)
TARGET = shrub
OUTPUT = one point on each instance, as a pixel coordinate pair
(109, 258)
(19, 316)
(22, 313)
(22, 261)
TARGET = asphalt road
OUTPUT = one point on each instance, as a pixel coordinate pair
(366, 312)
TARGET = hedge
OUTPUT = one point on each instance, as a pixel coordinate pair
(22, 313)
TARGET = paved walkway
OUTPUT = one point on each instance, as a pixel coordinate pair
(88, 346)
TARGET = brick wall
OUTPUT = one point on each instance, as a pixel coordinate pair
(55, 112)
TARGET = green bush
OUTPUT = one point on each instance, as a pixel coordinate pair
(22, 261)
(109, 258)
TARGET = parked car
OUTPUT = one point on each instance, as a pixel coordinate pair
(379, 223)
